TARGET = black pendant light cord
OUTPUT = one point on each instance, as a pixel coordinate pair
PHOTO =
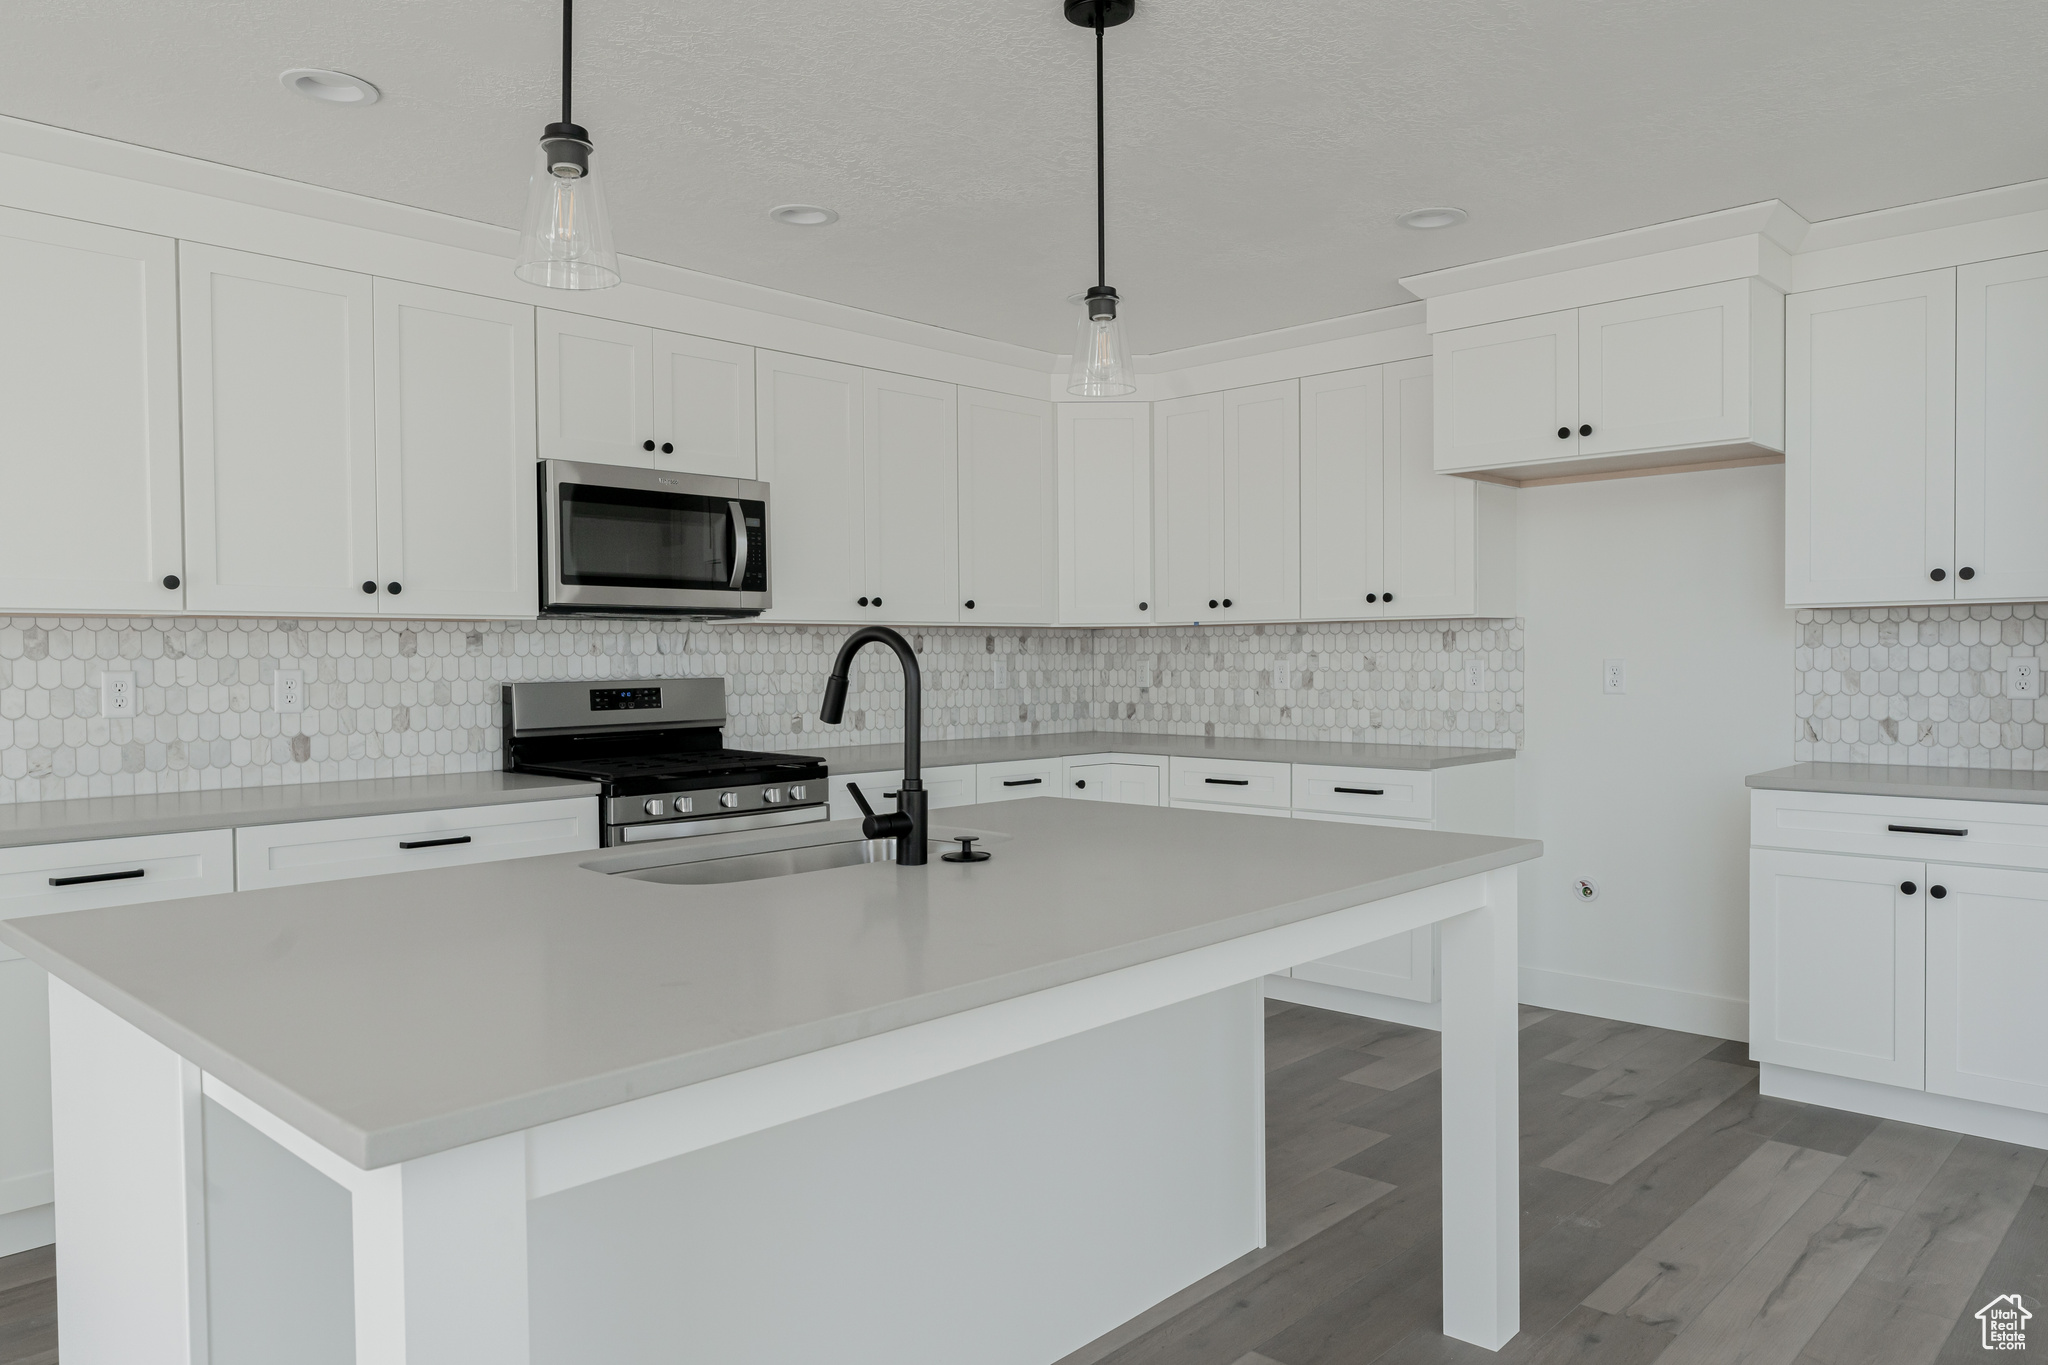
(1101, 213)
(567, 17)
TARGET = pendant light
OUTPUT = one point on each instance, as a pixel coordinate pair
(1102, 359)
(567, 242)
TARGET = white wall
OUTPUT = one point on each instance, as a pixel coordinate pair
(1682, 576)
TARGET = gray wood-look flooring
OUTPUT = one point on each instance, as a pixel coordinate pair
(1669, 1214)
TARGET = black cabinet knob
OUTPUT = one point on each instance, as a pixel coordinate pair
(394, 587)
(878, 601)
(368, 586)
(1081, 782)
(1966, 572)
(970, 604)
(863, 601)
(1386, 597)
(1226, 601)
(171, 580)
(1212, 602)
(1938, 892)
(1564, 433)
(1586, 430)
(1907, 888)
(647, 445)
(668, 447)
(1372, 597)
(1144, 606)
(1937, 574)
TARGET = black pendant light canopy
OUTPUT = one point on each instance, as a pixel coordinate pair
(567, 241)
(1102, 359)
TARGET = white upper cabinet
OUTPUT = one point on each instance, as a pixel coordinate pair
(2002, 429)
(1870, 457)
(1343, 501)
(1105, 513)
(1008, 471)
(1432, 520)
(1261, 511)
(455, 451)
(616, 393)
(1692, 376)
(280, 436)
(89, 383)
(811, 439)
(1187, 508)
(911, 454)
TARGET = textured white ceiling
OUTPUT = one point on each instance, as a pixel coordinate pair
(1257, 152)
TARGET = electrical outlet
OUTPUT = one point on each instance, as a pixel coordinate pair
(288, 690)
(1002, 671)
(1475, 677)
(2023, 679)
(117, 694)
(1614, 677)
(1283, 677)
(1586, 889)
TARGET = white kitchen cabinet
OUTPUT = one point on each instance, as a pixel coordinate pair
(2002, 429)
(1017, 778)
(455, 452)
(1187, 508)
(1230, 782)
(279, 436)
(367, 846)
(89, 383)
(1105, 513)
(911, 459)
(1987, 1006)
(1383, 535)
(811, 434)
(1690, 376)
(1870, 454)
(615, 393)
(948, 786)
(1111, 779)
(1837, 964)
(1008, 538)
(1226, 500)
(1403, 966)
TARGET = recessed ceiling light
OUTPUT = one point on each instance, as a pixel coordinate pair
(329, 87)
(1425, 219)
(803, 215)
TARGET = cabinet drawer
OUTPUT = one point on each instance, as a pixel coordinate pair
(329, 850)
(45, 878)
(1387, 792)
(1231, 782)
(1992, 833)
(1016, 779)
(945, 787)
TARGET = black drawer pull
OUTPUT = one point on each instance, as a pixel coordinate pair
(1022, 781)
(890, 796)
(130, 875)
(1925, 829)
(1228, 781)
(433, 843)
(1360, 791)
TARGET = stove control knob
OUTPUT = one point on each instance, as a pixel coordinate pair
(683, 805)
(730, 800)
(798, 793)
(772, 795)
(652, 806)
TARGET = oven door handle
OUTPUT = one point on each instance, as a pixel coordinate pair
(739, 540)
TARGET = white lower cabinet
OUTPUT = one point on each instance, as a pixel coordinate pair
(1128, 779)
(330, 850)
(1231, 782)
(1017, 779)
(1987, 996)
(1403, 966)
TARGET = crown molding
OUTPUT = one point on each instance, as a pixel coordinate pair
(1930, 215)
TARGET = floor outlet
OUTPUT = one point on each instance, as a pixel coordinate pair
(1586, 889)
(2023, 679)
(288, 690)
(1475, 677)
(1614, 677)
(117, 694)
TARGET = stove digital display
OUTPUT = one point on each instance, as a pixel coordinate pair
(625, 698)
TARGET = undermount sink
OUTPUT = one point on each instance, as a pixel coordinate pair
(787, 862)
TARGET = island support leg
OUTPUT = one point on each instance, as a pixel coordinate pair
(1482, 1180)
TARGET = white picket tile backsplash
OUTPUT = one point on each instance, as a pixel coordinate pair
(393, 698)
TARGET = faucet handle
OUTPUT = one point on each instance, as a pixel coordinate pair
(853, 790)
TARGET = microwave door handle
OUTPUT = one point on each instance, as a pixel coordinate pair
(739, 540)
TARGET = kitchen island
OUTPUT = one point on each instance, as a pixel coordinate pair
(602, 1106)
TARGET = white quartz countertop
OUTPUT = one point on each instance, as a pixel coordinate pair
(392, 1017)
(1880, 779)
(868, 758)
(116, 817)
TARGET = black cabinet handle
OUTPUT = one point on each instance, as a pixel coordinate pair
(863, 601)
(1907, 888)
(878, 601)
(886, 796)
(1144, 606)
(1080, 781)
(170, 580)
(128, 876)
(1228, 781)
(1361, 791)
(1586, 430)
(668, 448)
(1386, 597)
(970, 604)
(1937, 574)
(1226, 601)
(1022, 781)
(394, 587)
(433, 843)
(1966, 572)
(1938, 892)
(1212, 603)
(1372, 597)
(1925, 829)
(647, 445)
(1564, 433)
(368, 586)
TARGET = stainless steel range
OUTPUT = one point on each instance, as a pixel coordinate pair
(657, 748)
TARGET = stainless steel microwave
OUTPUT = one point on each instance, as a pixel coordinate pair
(622, 541)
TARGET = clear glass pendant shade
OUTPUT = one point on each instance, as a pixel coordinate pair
(1102, 359)
(567, 242)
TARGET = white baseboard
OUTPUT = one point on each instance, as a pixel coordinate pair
(27, 1229)
(1366, 1004)
(1978, 1119)
(1716, 1016)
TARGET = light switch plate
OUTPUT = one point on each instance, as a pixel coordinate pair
(117, 695)
(288, 690)
(2023, 679)
(1614, 677)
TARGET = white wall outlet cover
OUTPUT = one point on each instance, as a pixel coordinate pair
(1002, 671)
(117, 694)
(1283, 677)
(288, 690)
(1614, 677)
(1586, 889)
(2023, 679)
(1475, 677)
